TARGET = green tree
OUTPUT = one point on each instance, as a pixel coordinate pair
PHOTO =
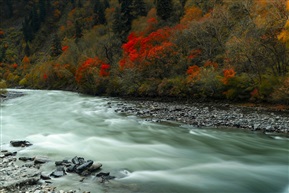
(78, 29)
(139, 8)
(56, 48)
(122, 19)
(42, 10)
(99, 13)
(164, 9)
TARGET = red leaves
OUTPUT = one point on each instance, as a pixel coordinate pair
(14, 65)
(90, 63)
(64, 48)
(141, 50)
(194, 72)
(45, 76)
(194, 53)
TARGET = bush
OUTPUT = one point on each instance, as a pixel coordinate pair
(3, 87)
(281, 93)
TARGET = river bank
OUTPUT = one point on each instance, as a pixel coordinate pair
(263, 118)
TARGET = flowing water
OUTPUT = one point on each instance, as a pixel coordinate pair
(146, 157)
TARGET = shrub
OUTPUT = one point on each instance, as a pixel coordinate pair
(3, 87)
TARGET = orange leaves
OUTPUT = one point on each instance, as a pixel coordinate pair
(191, 14)
(26, 60)
(228, 74)
(211, 64)
(194, 72)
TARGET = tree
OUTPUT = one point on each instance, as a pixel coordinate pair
(78, 30)
(56, 48)
(139, 8)
(9, 8)
(106, 4)
(35, 20)
(99, 13)
(122, 19)
(42, 10)
(27, 30)
(164, 9)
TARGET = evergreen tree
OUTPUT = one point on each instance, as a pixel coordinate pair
(99, 13)
(164, 9)
(124, 20)
(73, 3)
(79, 4)
(78, 30)
(27, 30)
(139, 8)
(106, 4)
(35, 21)
(9, 8)
(56, 48)
(42, 10)
(27, 50)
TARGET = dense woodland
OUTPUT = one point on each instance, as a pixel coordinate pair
(198, 49)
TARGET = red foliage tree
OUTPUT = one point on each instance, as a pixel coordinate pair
(92, 63)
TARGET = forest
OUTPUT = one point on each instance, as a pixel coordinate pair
(195, 49)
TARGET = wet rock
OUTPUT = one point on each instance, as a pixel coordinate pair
(20, 143)
(44, 177)
(41, 160)
(71, 168)
(26, 159)
(104, 176)
(84, 166)
(94, 167)
(63, 162)
(59, 172)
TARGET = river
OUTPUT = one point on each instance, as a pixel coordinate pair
(146, 157)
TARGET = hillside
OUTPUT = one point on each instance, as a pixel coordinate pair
(213, 49)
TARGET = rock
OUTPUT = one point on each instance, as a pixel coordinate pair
(94, 167)
(41, 160)
(10, 154)
(26, 159)
(104, 177)
(59, 172)
(71, 168)
(84, 166)
(20, 143)
(44, 177)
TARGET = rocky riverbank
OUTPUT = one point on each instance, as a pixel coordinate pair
(25, 174)
(257, 118)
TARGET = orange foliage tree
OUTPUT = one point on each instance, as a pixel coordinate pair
(228, 74)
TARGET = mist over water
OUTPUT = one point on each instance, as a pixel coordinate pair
(145, 157)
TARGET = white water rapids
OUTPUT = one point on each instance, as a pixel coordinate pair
(146, 157)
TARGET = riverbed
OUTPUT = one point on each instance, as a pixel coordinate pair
(144, 156)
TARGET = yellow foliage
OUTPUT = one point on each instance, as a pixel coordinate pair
(191, 14)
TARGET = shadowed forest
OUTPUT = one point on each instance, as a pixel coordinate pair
(203, 49)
